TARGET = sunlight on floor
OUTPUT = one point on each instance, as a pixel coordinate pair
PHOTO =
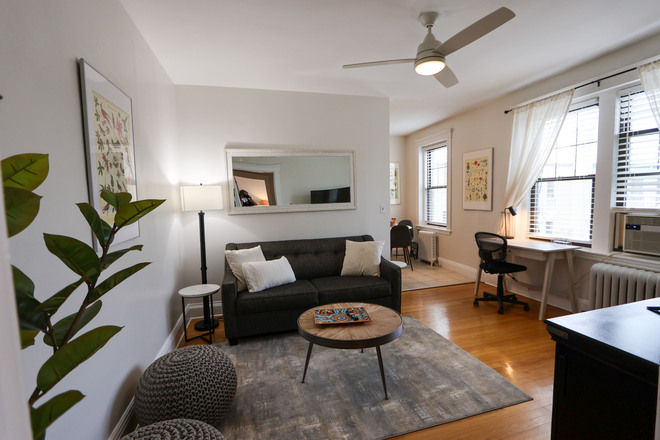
(423, 276)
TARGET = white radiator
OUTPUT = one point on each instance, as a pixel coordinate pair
(611, 285)
(427, 247)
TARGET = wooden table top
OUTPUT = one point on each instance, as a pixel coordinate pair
(385, 326)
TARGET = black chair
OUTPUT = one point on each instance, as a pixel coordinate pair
(400, 238)
(492, 250)
(408, 223)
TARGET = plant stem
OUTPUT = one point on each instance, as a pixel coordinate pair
(36, 395)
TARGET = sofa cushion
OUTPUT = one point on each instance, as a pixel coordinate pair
(236, 258)
(299, 295)
(347, 289)
(362, 258)
(261, 275)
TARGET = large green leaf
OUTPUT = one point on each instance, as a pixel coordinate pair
(100, 228)
(50, 411)
(27, 338)
(78, 256)
(112, 281)
(116, 200)
(114, 256)
(63, 325)
(21, 208)
(52, 304)
(72, 354)
(133, 212)
(25, 171)
(29, 317)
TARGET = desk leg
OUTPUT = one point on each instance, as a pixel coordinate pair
(549, 267)
(571, 275)
(476, 286)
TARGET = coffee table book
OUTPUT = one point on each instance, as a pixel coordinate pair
(348, 315)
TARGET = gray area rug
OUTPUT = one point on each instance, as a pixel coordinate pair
(430, 381)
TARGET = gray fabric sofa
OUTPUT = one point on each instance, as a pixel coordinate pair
(317, 264)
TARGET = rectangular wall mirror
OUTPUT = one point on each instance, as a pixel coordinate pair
(285, 180)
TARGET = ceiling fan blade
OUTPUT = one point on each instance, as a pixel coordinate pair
(475, 31)
(379, 63)
(446, 77)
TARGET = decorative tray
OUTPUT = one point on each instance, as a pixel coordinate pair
(348, 315)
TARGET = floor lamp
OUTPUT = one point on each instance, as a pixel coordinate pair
(202, 198)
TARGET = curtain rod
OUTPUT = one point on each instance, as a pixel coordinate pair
(506, 112)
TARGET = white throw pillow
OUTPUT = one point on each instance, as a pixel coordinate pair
(238, 257)
(262, 275)
(362, 258)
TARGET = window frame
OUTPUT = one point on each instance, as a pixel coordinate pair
(576, 106)
(422, 144)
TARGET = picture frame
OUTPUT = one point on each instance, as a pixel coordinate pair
(477, 180)
(395, 188)
(109, 145)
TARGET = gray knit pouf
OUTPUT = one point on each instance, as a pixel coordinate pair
(177, 429)
(196, 382)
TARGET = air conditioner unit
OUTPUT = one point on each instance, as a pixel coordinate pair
(641, 233)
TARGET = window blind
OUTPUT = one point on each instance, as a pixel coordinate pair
(562, 199)
(638, 159)
(435, 185)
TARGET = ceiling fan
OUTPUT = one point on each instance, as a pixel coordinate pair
(431, 53)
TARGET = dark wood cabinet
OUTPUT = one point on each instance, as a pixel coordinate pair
(606, 373)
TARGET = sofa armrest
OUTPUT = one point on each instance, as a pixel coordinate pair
(229, 292)
(392, 273)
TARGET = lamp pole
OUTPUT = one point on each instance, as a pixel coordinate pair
(208, 322)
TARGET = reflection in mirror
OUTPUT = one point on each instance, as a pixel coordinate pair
(290, 180)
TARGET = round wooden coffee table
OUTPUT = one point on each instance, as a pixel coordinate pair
(385, 326)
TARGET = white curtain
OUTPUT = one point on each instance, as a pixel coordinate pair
(650, 74)
(535, 130)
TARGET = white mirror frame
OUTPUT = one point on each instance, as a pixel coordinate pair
(271, 152)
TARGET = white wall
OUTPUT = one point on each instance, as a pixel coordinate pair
(41, 112)
(209, 118)
(398, 154)
(488, 127)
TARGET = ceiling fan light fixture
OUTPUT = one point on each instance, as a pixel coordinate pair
(429, 66)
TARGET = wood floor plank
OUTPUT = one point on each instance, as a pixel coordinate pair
(514, 344)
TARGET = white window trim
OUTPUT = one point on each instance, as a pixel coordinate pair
(420, 143)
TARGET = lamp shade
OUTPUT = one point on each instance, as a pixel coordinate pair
(201, 197)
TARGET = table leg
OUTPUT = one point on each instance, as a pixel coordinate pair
(476, 286)
(549, 267)
(382, 371)
(571, 274)
(309, 354)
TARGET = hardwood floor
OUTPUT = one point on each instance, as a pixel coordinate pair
(515, 344)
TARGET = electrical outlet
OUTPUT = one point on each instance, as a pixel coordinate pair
(382, 209)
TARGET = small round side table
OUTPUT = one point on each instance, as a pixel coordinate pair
(205, 291)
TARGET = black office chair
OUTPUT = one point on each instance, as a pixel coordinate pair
(400, 238)
(492, 250)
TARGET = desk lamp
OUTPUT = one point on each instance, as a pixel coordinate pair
(202, 198)
(508, 233)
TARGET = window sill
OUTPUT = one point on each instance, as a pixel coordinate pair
(644, 262)
(436, 229)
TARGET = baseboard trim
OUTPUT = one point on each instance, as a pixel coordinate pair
(193, 311)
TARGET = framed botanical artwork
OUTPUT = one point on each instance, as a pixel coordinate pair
(395, 194)
(477, 180)
(109, 149)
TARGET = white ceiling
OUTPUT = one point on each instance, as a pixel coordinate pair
(300, 45)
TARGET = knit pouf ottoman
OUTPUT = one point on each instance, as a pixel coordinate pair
(196, 382)
(177, 429)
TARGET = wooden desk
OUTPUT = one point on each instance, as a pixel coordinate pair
(606, 373)
(542, 251)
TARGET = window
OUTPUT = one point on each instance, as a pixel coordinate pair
(435, 184)
(562, 199)
(638, 160)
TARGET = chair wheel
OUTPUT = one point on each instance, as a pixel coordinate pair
(526, 308)
(500, 311)
(475, 303)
